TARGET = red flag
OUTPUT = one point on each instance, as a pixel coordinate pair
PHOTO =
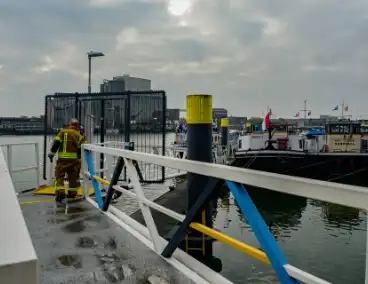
(297, 114)
(266, 124)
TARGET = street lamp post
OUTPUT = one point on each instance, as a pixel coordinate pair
(91, 55)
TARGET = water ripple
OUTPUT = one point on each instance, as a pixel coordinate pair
(315, 236)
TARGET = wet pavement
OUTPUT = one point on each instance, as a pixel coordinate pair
(85, 246)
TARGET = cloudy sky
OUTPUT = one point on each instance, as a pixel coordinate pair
(246, 53)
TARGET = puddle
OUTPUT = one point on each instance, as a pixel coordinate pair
(76, 210)
(117, 273)
(75, 227)
(70, 260)
(108, 258)
(86, 242)
(111, 243)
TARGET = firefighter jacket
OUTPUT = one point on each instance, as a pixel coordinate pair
(83, 141)
(68, 143)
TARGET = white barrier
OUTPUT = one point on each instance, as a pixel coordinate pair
(346, 195)
(35, 167)
(18, 260)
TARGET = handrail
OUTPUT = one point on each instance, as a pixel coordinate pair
(18, 259)
(347, 195)
(342, 194)
(9, 153)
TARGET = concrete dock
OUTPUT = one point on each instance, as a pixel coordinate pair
(84, 246)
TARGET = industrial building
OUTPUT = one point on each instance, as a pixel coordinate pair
(125, 83)
(21, 125)
(143, 107)
(173, 114)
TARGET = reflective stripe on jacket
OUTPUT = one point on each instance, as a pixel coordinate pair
(67, 142)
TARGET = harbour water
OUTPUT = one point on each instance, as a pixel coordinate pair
(324, 239)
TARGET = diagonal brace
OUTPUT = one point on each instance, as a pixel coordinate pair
(192, 212)
(139, 172)
(260, 229)
(114, 180)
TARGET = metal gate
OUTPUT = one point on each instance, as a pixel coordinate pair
(138, 117)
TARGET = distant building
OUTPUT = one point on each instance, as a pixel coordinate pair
(21, 125)
(173, 114)
(125, 83)
(143, 107)
(237, 122)
(298, 122)
(217, 114)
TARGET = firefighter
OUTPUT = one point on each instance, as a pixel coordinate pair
(67, 143)
(84, 140)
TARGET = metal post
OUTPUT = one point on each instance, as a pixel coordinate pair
(102, 134)
(366, 253)
(89, 106)
(199, 139)
(224, 131)
(37, 149)
(89, 74)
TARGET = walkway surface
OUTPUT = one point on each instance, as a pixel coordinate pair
(84, 246)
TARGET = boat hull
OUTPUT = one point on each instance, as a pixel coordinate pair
(347, 168)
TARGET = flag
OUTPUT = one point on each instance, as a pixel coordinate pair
(336, 108)
(297, 114)
(309, 113)
(266, 124)
(346, 108)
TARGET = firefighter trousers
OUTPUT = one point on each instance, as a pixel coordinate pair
(69, 167)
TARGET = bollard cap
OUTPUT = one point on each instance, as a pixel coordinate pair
(199, 109)
(225, 122)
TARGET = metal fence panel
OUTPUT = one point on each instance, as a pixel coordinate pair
(138, 117)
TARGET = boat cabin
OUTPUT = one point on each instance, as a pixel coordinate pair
(310, 140)
(343, 136)
(258, 140)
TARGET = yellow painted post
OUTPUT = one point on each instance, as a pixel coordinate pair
(199, 139)
(224, 131)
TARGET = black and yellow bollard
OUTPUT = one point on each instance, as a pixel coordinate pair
(199, 139)
(201, 190)
(224, 131)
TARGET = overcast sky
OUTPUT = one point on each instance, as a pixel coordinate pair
(246, 53)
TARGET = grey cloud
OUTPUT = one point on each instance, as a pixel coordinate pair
(316, 51)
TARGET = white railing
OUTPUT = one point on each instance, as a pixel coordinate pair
(149, 173)
(18, 259)
(346, 195)
(19, 169)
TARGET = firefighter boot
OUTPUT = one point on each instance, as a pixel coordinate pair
(60, 195)
(72, 194)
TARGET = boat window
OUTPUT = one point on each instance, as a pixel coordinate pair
(339, 128)
(357, 128)
(364, 129)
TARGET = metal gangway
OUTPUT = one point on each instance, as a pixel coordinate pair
(197, 272)
(235, 178)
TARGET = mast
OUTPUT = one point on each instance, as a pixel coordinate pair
(342, 109)
(305, 110)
